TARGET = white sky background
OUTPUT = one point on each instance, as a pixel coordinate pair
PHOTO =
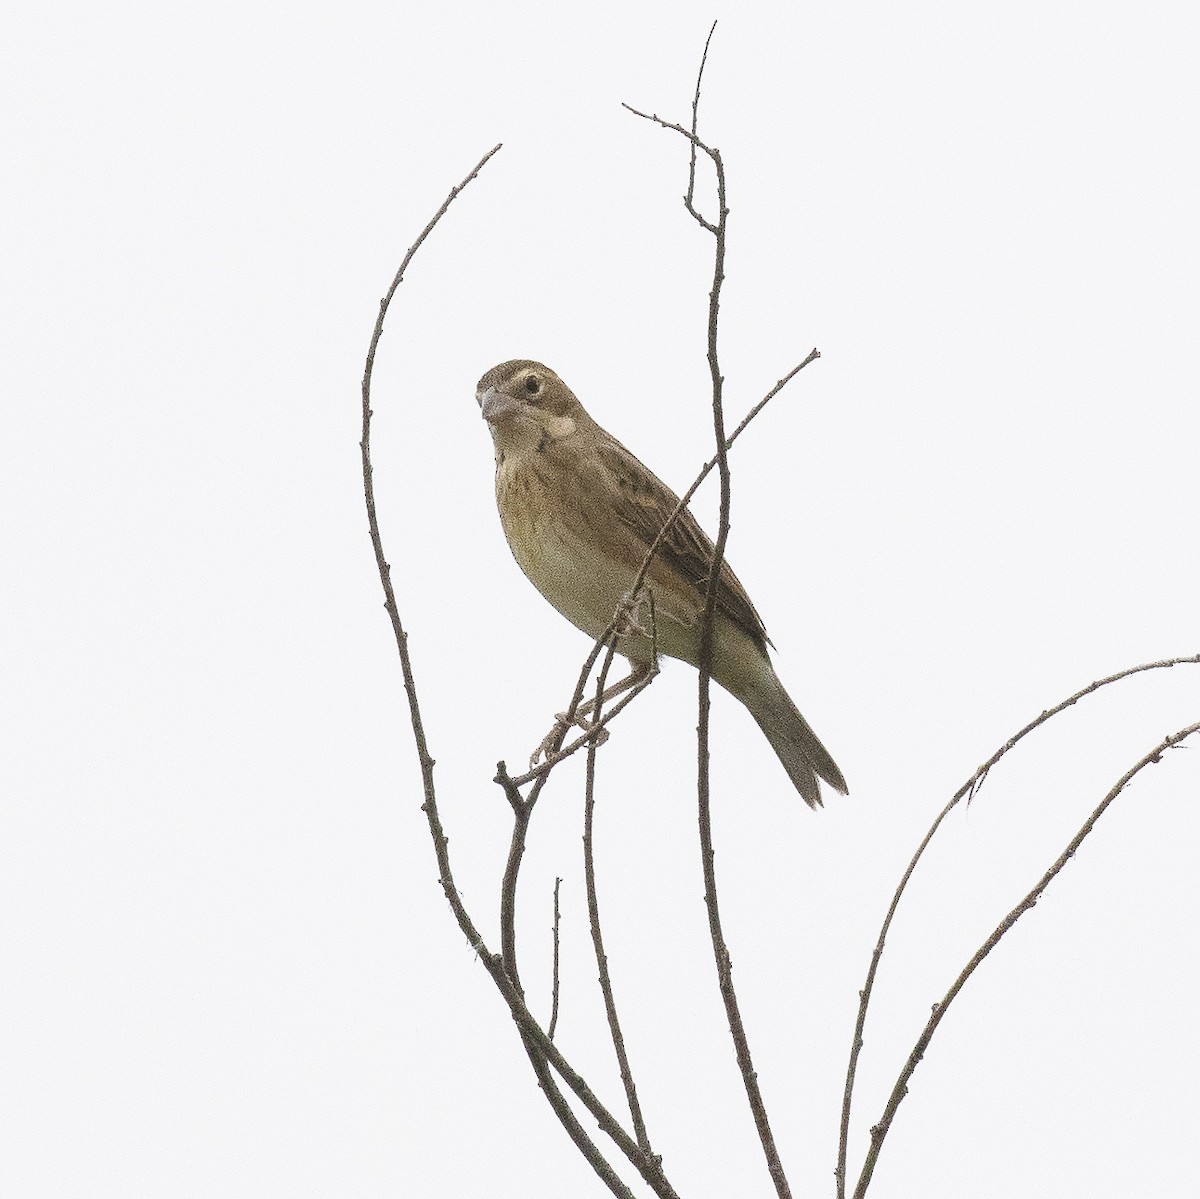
(229, 969)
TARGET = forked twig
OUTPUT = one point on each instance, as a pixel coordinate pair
(691, 188)
(592, 735)
(554, 968)
(542, 1050)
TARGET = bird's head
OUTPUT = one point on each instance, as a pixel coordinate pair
(527, 406)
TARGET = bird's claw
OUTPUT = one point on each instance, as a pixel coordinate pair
(551, 742)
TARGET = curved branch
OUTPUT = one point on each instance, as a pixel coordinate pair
(385, 570)
(542, 1050)
(968, 791)
(880, 1130)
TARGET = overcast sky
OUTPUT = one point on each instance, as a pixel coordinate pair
(228, 967)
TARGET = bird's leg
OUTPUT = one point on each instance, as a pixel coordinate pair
(561, 723)
(626, 621)
(636, 675)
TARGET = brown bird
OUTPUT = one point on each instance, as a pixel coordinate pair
(580, 512)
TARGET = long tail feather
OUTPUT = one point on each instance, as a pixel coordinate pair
(798, 748)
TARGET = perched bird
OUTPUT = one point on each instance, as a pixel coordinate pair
(580, 512)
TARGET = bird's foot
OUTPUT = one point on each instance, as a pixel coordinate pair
(552, 741)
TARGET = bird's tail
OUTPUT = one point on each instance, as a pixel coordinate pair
(799, 749)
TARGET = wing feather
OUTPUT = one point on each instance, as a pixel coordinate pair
(643, 504)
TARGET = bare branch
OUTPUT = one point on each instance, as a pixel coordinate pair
(385, 570)
(509, 786)
(649, 1166)
(720, 949)
(538, 1055)
(426, 762)
(967, 790)
(589, 874)
(880, 1130)
(554, 972)
(697, 144)
(707, 468)
(970, 788)
(691, 189)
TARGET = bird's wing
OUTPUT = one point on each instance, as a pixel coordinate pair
(643, 503)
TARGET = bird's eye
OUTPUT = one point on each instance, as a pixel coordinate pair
(533, 384)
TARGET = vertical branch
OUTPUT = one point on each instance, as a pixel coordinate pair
(589, 873)
(691, 190)
(522, 812)
(554, 970)
(721, 955)
(724, 963)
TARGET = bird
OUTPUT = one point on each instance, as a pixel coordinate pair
(580, 512)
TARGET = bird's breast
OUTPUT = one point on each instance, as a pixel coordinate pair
(548, 532)
(582, 559)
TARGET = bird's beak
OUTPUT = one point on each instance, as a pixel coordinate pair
(494, 405)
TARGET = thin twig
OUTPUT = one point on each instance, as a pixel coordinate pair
(589, 874)
(968, 790)
(707, 468)
(603, 976)
(425, 760)
(385, 570)
(554, 970)
(691, 188)
(508, 891)
(522, 812)
(880, 1130)
(536, 1052)
(720, 949)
